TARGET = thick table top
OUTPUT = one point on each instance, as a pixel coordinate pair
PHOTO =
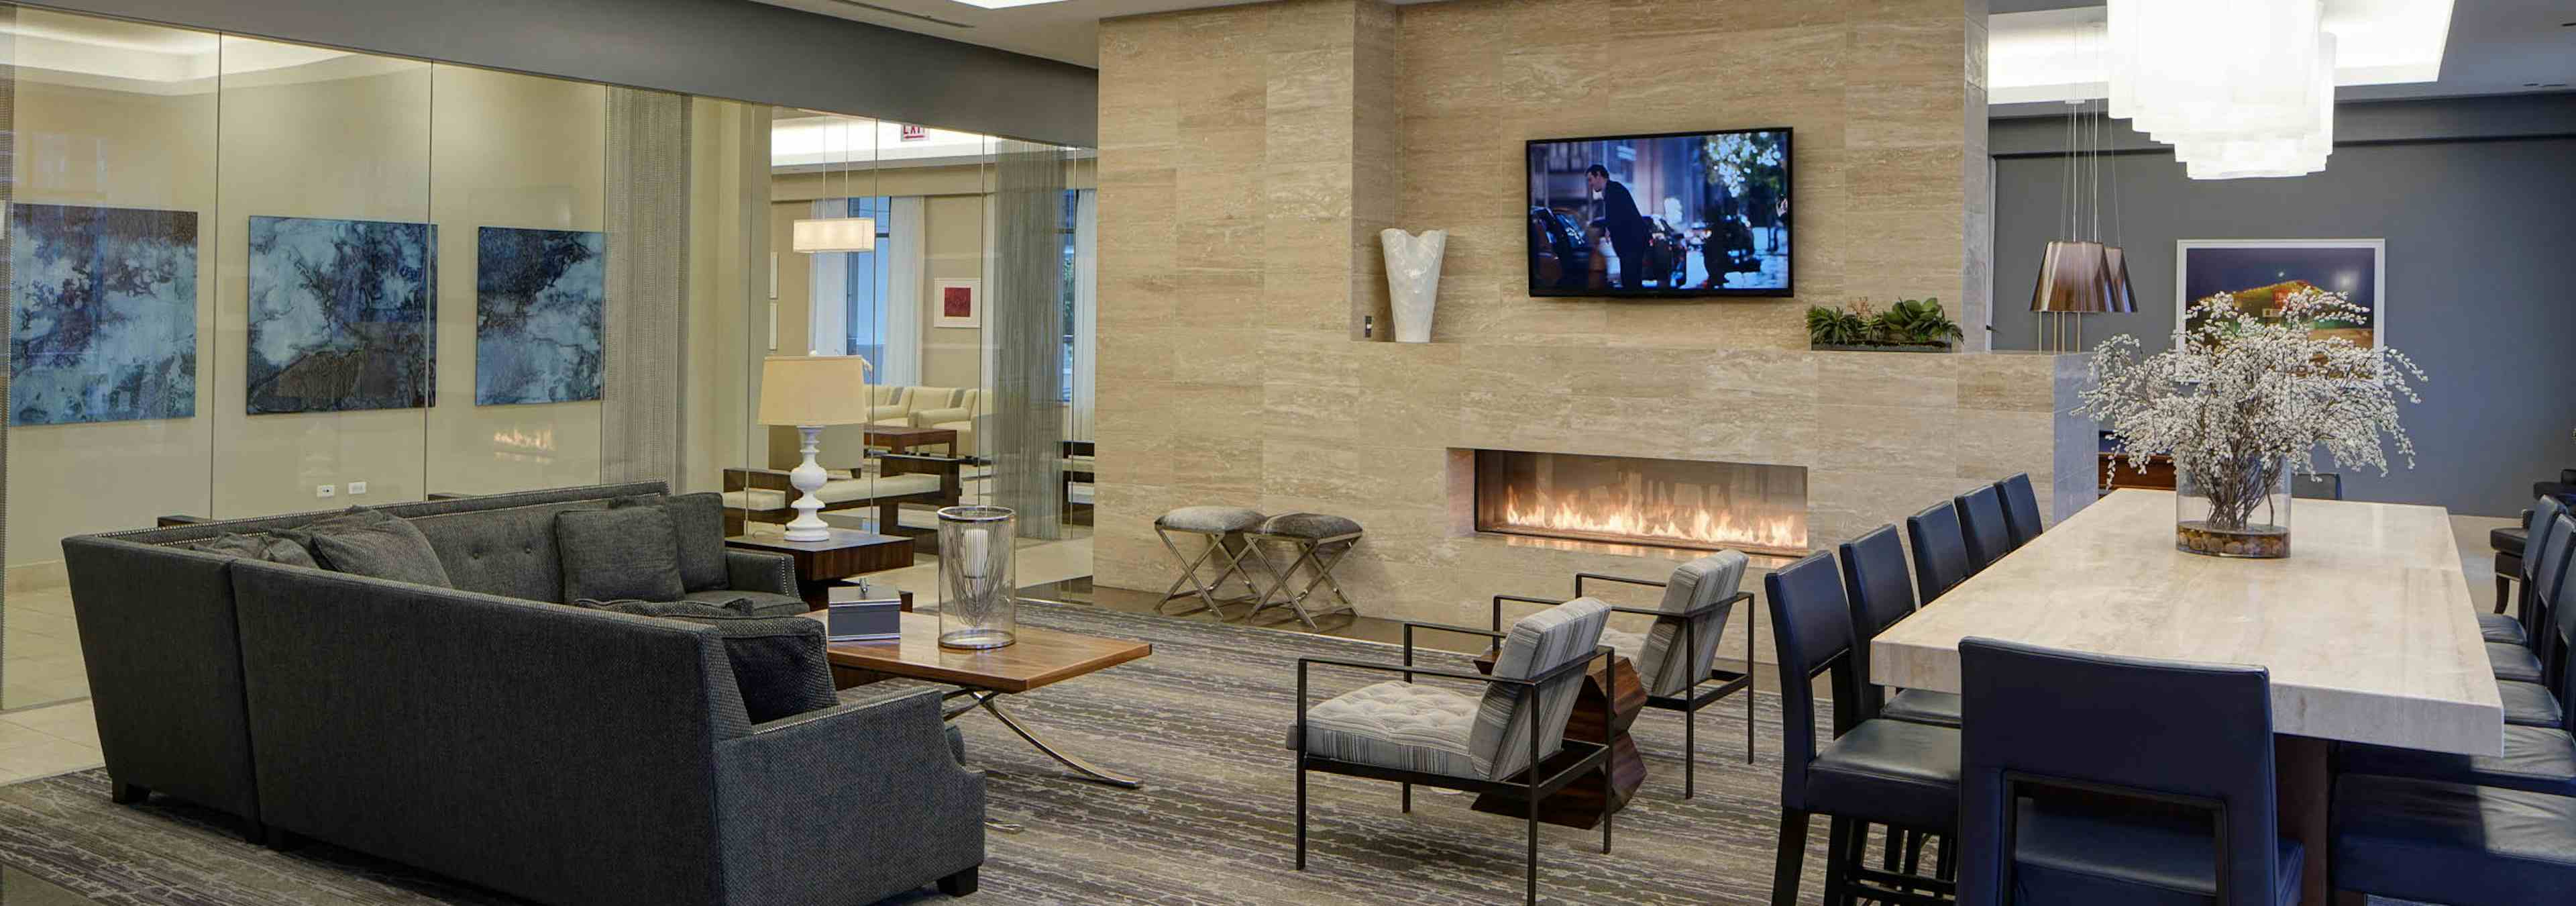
(1040, 657)
(2367, 626)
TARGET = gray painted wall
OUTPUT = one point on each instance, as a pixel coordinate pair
(734, 49)
(2481, 228)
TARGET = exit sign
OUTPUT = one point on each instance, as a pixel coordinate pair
(912, 133)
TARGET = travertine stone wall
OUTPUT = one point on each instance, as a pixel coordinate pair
(1250, 154)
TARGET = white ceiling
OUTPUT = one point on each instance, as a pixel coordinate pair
(2494, 46)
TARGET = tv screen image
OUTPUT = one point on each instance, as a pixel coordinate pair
(1676, 215)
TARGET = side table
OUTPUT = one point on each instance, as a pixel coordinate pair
(821, 564)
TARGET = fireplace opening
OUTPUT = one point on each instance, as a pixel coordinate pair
(1636, 500)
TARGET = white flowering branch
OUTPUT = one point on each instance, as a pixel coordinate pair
(2238, 399)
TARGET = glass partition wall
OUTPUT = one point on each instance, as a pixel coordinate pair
(250, 277)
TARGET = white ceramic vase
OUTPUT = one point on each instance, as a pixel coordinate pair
(1413, 279)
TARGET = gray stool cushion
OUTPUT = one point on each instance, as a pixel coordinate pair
(1309, 526)
(1211, 519)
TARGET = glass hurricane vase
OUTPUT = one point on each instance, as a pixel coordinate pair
(978, 604)
(2236, 507)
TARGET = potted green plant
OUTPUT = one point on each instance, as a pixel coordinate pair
(1910, 325)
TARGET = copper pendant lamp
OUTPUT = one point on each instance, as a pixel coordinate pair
(2079, 277)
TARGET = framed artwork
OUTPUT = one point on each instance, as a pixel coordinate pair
(343, 315)
(960, 301)
(539, 297)
(2257, 271)
(105, 306)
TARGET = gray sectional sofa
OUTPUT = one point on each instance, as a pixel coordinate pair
(492, 734)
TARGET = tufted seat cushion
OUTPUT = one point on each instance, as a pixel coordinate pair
(1211, 519)
(1396, 725)
(2509, 540)
(2453, 843)
(2535, 759)
(1310, 526)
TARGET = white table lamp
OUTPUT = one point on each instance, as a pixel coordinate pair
(810, 392)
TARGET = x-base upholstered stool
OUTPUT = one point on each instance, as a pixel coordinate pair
(1223, 527)
(1320, 542)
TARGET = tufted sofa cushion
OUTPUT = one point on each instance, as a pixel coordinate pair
(1397, 725)
(508, 552)
(1211, 519)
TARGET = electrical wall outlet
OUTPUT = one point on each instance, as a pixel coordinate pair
(324, 490)
(357, 487)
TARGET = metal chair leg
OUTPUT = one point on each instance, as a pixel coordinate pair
(1301, 811)
(1408, 797)
(1533, 840)
(1690, 752)
(1750, 682)
(1189, 573)
(1606, 813)
(1791, 861)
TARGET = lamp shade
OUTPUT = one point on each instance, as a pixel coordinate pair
(835, 234)
(814, 390)
(2115, 268)
(2072, 278)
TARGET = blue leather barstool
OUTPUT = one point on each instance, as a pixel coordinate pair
(1872, 771)
(1981, 516)
(2536, 759)
(1940, 549)
(1874, 577)
(2522, 662)
(2516, 627)
(2021, 508)
(2531, 704)
(2095, 779)
(2454, 843)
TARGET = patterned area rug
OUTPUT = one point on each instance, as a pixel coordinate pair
(1202, 720)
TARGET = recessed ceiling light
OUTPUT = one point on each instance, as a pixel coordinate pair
(1005, 4)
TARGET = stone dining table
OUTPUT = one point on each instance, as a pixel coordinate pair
(2367, 629)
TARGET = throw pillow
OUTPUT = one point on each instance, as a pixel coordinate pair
(618, 553)
(258, 547)
(368, 542)
(698, 522)
(779, 663)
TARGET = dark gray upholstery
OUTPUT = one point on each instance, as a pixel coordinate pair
(621, 553)
(371, 543)
(259, 546)
(751, 603)
(559, 754)
(577, 756)
(698, 520)
(778, 662)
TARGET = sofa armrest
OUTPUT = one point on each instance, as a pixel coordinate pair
(928, 417)
(864, 800)
(759, 571)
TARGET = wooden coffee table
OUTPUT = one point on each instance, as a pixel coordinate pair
(823, 564)
(1040, 658)
(898, 439)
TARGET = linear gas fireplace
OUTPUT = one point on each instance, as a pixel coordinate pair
(1635, 500)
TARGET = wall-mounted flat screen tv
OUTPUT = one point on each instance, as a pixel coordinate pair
(1676, 215)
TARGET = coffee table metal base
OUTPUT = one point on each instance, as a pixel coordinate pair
(986, 700)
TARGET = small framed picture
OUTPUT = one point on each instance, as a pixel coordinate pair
(960, 301)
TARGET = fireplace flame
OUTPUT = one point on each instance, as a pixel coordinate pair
(1648, 514)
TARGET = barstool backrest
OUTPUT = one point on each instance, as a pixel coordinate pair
(2021, 508)
(1874, 577)
(2039, 719)
(2544, 563)
(1940, 549)
(1981, 516)
(2553, 586)
(1811, 627)
(1538, 643)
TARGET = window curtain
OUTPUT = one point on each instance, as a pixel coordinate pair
(1024, 328)
(648, 282)
(902, 254)
(1086, 312)
(827, 306)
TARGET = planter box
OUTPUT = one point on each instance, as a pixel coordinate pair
(1874, 347)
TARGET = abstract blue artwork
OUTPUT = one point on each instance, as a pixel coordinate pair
(538, 298)
(104, 305)
(343, 315)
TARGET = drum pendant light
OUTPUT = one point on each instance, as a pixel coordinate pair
(817, 235)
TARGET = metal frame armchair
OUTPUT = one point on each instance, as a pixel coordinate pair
(1531, 697)
(1696, 694)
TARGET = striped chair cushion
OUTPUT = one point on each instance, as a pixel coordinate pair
(1540, 642)
(1397, 725)
(1662, 664)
